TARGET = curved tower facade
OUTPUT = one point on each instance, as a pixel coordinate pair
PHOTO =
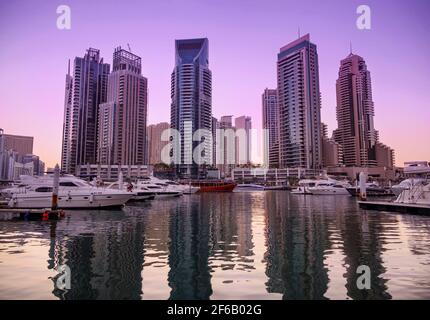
(191, 108)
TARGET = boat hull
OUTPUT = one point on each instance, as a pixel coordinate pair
(371, 192)
(164, 195)
(301, 190)
(70, 202)
(225, 187)
(329, 192)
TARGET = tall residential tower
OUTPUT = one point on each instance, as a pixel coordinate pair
(299, 105)
(67, 122)
(122, 125)
(355, 111)
(155, 144)
(89, 89)
(270, 124)
(243, 126)
(191, 107)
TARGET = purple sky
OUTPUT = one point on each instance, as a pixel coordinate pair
(244, 39)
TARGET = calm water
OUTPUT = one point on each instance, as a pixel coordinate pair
(259, 245)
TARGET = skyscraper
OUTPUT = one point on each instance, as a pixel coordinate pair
(191, 107)
(299, 105)
(21, 144)
(155, 144)
(215, 126)
(3, 156)
(89, 89)
(270, 123)
(226, 146)
(355, 111)
(243, 126)
(106, 132)
(67, 122)
(122, 132)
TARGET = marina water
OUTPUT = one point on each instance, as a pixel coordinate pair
(249, 245)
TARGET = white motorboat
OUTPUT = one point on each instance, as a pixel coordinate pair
(328, 188)
(408, 184)
(185, 188)
(161, 189)
(417, 195)
(73, 193)
(303, 186)
(139, 193)
(28, 183)
(245, 187)
(322, 187)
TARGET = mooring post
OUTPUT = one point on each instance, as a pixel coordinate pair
(362, 178)
(120, 181)
(54, 204)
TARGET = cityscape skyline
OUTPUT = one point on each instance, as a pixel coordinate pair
(389, 93)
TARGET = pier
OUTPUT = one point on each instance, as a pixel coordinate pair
(32, 214)
(395, 207)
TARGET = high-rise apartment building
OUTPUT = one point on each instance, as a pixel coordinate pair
(16, 157)
(155, 144)
(299, 105)
(20, 144)
(67, 122)
(355, 111)
(226, 146)
(106, 132)
(243, 126)
(215, 126)
(270, 125)
(89, 89)
(191, 107)
(122, 123)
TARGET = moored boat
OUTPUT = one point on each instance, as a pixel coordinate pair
(214, 186)
(372, 190)
(87, 198)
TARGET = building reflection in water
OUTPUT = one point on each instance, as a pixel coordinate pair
(297, 238)
(105, 261)
(189, 276)
(222, 246)
(363, 244)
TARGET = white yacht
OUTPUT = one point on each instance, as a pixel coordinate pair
(161, 189)
(329, 188)
(73, 193)
(418, 195)
(303, 186)
(408, 184)
(139, 193)
(185, 188)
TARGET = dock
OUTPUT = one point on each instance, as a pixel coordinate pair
(395, 207)
(32, 214)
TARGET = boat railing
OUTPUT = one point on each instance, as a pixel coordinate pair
(410, 195)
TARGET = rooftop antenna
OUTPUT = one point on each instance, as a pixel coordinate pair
(129, 49)
(298, 32)
(350, 47)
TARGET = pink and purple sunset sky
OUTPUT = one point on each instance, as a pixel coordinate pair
(244, 39)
